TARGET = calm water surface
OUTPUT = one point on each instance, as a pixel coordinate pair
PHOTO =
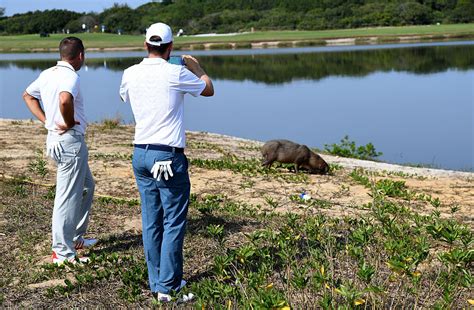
(414, 102)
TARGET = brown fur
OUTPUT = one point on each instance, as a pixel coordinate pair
(287, 152)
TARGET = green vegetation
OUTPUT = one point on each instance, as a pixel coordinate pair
(252, 242)
(390, 188)
(240, 256)
(111, 123)
(108, 200)
(38, 165)
(34, 42)
(348, 148)
(222, 16)
(250, 167)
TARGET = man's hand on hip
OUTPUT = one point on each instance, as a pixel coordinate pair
(62, 128)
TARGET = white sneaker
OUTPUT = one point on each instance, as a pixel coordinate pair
(161, 297)
(167, 298)
(85, 243)
(56, 260)
(186, 298)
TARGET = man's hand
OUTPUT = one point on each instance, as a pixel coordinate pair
(62, 128)
(193, 65)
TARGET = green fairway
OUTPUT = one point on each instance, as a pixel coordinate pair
(33, 43)
(340, 33)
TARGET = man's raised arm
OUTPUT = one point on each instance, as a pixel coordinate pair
(193, 65)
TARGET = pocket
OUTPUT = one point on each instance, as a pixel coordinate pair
(178, 164)
(69, 151)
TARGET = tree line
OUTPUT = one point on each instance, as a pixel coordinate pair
(221, 16)
(284, 68)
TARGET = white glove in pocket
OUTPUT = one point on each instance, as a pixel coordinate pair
(162, 167)
(54, 150)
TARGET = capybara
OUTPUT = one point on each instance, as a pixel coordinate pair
(287, 152)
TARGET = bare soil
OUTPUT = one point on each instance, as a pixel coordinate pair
(109, 159)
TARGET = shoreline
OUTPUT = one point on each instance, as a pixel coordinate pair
(262, 44)
(345, 162)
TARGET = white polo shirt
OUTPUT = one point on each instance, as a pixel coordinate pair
(155, 90)
(47, 88)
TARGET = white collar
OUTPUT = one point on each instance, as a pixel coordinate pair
(153, 61)
(62, 63)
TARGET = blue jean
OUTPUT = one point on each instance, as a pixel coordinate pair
(164, 206)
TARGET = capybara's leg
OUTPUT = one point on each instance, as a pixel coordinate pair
(267, 163)
(296, 168)
(264, 159)
(298, 162)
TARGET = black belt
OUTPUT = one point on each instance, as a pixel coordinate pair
(159, 147)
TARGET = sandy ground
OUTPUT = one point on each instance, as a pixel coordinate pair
(109, 150)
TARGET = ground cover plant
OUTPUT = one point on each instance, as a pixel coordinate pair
(364, 239)
(241, 256)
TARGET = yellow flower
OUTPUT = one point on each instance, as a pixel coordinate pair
(322, 270)
(416, 274)
(359, 301)
(270, 285)
(470, 301)
(284, 308)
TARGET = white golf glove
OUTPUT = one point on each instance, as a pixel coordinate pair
(162, 167)
(54, 150)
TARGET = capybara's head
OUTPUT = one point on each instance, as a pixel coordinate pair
(317, 165)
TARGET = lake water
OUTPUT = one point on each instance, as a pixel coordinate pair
(414, 102)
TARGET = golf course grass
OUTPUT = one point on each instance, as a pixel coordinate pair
(34, 43)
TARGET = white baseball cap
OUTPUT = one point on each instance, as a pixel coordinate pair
(161, 30)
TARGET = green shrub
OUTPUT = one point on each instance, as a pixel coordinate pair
(111, 123)
(348, 148)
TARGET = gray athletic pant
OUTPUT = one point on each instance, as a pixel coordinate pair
(74, 193)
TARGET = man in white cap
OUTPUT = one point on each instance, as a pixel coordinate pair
(155, 89)
(58, 89)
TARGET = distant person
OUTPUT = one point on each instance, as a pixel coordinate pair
(58, 90)
(155, 90)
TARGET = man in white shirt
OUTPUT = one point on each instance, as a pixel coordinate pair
(58, 89)
(155, 89)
